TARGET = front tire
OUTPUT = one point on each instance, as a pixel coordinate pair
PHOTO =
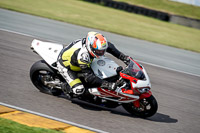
(148, 107)
(41, 72)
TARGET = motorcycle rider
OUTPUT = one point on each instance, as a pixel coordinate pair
(78, 56)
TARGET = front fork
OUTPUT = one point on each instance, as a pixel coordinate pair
(142, 96)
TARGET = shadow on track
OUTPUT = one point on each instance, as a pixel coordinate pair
(158, 117)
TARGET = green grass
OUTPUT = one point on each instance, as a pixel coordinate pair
(108, 19)
(8, 126)
(171, 7)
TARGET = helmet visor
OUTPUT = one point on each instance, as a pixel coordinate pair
(98, 52)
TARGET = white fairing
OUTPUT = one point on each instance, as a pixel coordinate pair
(104, 67)
(143, 83)
(48, 51)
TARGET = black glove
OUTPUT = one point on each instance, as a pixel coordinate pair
(118, 70)
(108, 85)
(124, 58)
(89, 77)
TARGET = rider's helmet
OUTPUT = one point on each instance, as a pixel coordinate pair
(96, 44)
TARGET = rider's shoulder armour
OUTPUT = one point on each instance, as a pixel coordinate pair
(83, 56)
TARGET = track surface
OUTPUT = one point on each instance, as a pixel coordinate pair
(177, 95)
(161, 55)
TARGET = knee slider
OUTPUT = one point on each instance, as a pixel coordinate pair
(78, 89)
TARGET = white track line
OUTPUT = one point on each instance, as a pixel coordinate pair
(168, 68)
(53, 118)
(17, 33)
(136, 60)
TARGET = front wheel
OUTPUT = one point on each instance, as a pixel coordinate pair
(148, 107)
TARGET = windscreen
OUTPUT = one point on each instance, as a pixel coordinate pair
(134, 70)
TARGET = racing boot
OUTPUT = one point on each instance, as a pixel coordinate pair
(66, 88)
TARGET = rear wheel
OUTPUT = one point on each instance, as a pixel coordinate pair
(148, 107)
(42, 76)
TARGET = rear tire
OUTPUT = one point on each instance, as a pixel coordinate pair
(40, 72)
(148, 107)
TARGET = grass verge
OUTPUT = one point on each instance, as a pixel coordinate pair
(8, 126)
(96, 16)
(168, 6)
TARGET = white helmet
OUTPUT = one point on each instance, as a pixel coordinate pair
(96, 44)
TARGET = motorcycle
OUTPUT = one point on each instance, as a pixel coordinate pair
(133, 83)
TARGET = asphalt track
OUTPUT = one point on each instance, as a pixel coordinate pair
(171, 58)
(177, 95)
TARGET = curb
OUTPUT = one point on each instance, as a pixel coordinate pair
(34, 119)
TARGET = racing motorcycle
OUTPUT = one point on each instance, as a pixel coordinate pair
(133, 83)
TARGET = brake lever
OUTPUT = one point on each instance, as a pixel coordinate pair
(120, 88)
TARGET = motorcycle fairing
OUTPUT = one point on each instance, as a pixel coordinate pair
(137, 83)
(48, 51)
(104, 67)
(117, 95)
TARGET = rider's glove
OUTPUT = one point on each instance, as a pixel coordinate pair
(124, 58)
(89, 77)
(119, 69)
(108, 85)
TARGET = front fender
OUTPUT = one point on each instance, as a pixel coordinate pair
(145, 95)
